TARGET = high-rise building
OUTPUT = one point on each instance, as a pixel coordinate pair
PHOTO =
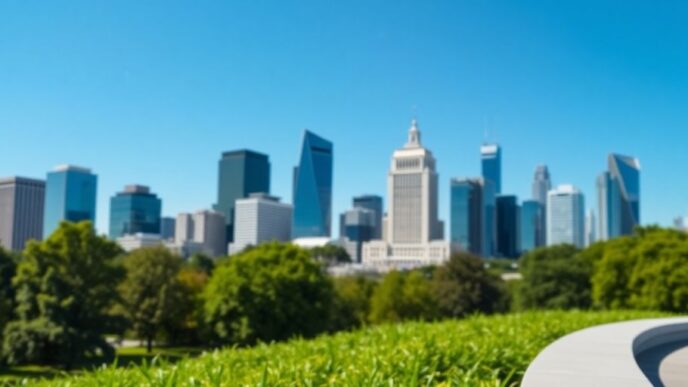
(134, 210)
(618, 194)
(70, 195)
(260, 218)
(241, 173)
(542, 183)
(373, 203)
(209, 230)
(565, 216)
(413, 230)
(467, 213)
(359, 227)
(184, 228)
(507, 226)
(167, 228)
(491, 164)
(312, 188)
(532, 234)
(21, 211)
(590, 234)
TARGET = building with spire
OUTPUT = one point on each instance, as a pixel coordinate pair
(414, 232)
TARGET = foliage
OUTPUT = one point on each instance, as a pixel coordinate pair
(152, 296)
(202, 262)
(191, 328)
(464, 286)
(555, 277)
(351, 303)
(403, 296)
(330, 254)
(478, 351)
(64, 287)
(8, 268)
(272, 292)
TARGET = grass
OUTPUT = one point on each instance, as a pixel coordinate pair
(478, 351)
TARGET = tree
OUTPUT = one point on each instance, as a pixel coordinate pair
(330, 254)
(351, 304)
(65, 285)
(464, 286)
(555, 277)
(272, 292)
(152, 295)
(190, 329)
(8, 268)
(202, 262)
(403, 296)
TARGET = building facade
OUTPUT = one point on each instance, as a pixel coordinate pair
(618, 195)
(542, 183)
(565, 216)
(260, 218)
(240, 173)
(532, 234)
(203, 231)
(21, 211)
(491, 165)
(70, 195)
(167, 228)
(312, 188)
(359, 225)
(413, 231)
(467, 215)
(135, 210)
(508, 226)
(372, 203)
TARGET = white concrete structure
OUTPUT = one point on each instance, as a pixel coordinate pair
(260, 218)
(21, 211)
(204, 227)
(611, 355)
(132, 242)
(311, 242)
(590, 232)
(413, 231)
(565, 216)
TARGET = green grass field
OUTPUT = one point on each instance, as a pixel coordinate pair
(478, 351)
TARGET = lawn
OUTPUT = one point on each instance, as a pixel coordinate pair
(478, 351)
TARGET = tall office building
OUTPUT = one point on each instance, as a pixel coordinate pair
(167, 228)
(373, 203)
(508, 226)
(542, 183)
(260, 218)
(413, 230)
(70, 195)
(209, 230)
(21, 211)
(467, 213)
(184, 228)
(532, 234)
(312, 188)
(240, 173)
(359, 226)
(590, 234)
(565, 216)
(618, 195)
(134, 210)
(491, 165)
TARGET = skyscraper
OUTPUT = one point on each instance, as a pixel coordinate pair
(373, 203)
(466, 218)
(541, 184)
(240, 173)
(565, 216)
(618, 191)
(167, 228)
(70, 195)
(507, 226)
(359, 227)
(134, 210)
(21, 211)
(532, 235)
(590, 234)
(260, 218)
(312, 188)
(491, 164)
(413, 230)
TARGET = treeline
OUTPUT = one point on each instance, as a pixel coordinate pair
(61, 297)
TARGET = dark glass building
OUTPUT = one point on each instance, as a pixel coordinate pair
(618, 192)
(134, 210)
(507, 226)
(491, 165)
(312, 188)
(489, 219)
(372, 203)
(241, 173)
(532, 232)
(70, 195)
(359, 227)
(467, 213)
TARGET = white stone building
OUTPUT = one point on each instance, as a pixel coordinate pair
(260, 218)
(205, 228)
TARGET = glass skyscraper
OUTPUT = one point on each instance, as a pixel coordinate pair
(312, 188)
(491, 165)
(532, 233)
(134, 210)
(373, 203)
(466, 218)
(507, 226)
(618, 192)
(565, 216)
(241, 173)
(70, 195)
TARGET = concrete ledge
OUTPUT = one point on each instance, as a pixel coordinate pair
(604, 355)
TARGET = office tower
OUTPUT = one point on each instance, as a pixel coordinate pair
(373, 203)
(618, 195)
(467, 213)
(565, 216)
(184, 228)
(241, 173)
(359, 227)
(167, 228)
(413, 227)
(134, 210)
(312, 188)
(532, 234)
(209, 229)
(21, 211)
(260, 218)
(541, 184)
(491, 163)
(507, 226)
(590, 235)
(70, 195)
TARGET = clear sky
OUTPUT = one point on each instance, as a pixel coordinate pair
(152, 92)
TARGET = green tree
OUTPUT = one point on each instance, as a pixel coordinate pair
(8, 268)
(65, 285)
(330, 254)
(464, 286)
(153, 297)
(403, 296)
(555, 277)
(272, 292)
(351, 304)
(202, 262)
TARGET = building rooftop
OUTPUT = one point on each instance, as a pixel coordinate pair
(69, 167)
(19, 179)
(135, 188)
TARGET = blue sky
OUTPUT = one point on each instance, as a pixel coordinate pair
(152, 92)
